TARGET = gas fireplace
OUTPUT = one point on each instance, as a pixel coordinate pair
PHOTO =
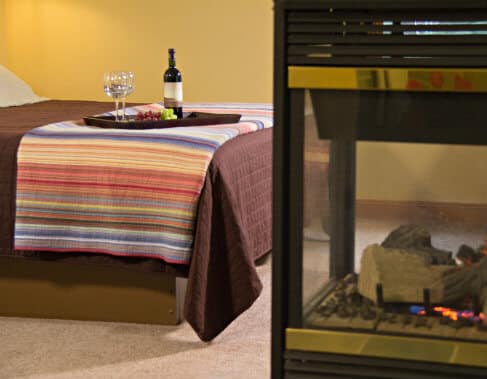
(386, 277)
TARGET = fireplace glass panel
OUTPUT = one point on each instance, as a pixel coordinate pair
(419, 243)
(316, 236)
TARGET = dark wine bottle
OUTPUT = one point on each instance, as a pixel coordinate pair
(173, 86)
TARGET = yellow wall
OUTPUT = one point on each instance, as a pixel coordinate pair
(3, 54)
(422, 172)
(223, 48)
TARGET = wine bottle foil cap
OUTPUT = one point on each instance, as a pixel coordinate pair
(171, 51)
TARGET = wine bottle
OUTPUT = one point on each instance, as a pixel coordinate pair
(173, 86)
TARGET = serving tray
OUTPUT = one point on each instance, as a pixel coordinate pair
(189, 119)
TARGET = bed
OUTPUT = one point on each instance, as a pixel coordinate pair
(233, 232)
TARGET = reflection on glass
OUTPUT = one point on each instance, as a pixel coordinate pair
(315, 213)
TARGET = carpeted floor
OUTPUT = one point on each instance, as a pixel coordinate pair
(51, 349)
(34, 348)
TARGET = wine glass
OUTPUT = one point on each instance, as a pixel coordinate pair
(129, 77)
(115, 86)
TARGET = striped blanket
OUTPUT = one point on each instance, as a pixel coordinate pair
(120, 192)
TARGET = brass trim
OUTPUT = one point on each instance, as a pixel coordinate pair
(389, 79)
(383, 346)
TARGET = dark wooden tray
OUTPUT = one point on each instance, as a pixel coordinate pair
(189, 119)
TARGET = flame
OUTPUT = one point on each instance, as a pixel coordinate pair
(447, 312)
(451, 313)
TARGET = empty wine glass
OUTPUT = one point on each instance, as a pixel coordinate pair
(130, 86)
(115, 86)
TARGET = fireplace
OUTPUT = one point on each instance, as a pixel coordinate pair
(378, 288)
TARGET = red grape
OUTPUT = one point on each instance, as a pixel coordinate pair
(148, 115)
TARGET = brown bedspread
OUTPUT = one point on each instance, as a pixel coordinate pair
(233, 228)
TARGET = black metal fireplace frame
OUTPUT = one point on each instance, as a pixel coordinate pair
(288, 190)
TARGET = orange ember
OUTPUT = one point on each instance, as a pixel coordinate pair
(447, 312)
(483, 319)
(452, 314)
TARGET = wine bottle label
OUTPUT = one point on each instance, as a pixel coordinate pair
(173, 95)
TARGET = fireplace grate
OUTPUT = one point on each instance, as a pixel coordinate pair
(375, 37)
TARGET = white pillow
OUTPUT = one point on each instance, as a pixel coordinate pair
(14, 91)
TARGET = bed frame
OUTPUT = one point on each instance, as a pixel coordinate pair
(40, 289)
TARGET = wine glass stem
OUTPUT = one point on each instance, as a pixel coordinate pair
(123, 108)
(116, 110)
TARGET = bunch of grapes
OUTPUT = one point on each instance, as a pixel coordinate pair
(148, 116)
(168, 114)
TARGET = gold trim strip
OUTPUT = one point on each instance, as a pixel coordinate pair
(389, 79)
(392, 347)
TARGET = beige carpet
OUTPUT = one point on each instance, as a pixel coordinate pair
(70, 349)
(36, 348)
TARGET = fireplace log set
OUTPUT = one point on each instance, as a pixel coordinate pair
(404, 287)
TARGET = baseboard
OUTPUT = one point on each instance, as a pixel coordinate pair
(447, 212)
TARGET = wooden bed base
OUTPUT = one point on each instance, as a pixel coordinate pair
(30, 288)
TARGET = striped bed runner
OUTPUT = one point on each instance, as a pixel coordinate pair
(120, 192)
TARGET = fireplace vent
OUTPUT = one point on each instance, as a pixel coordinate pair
(375, 37)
